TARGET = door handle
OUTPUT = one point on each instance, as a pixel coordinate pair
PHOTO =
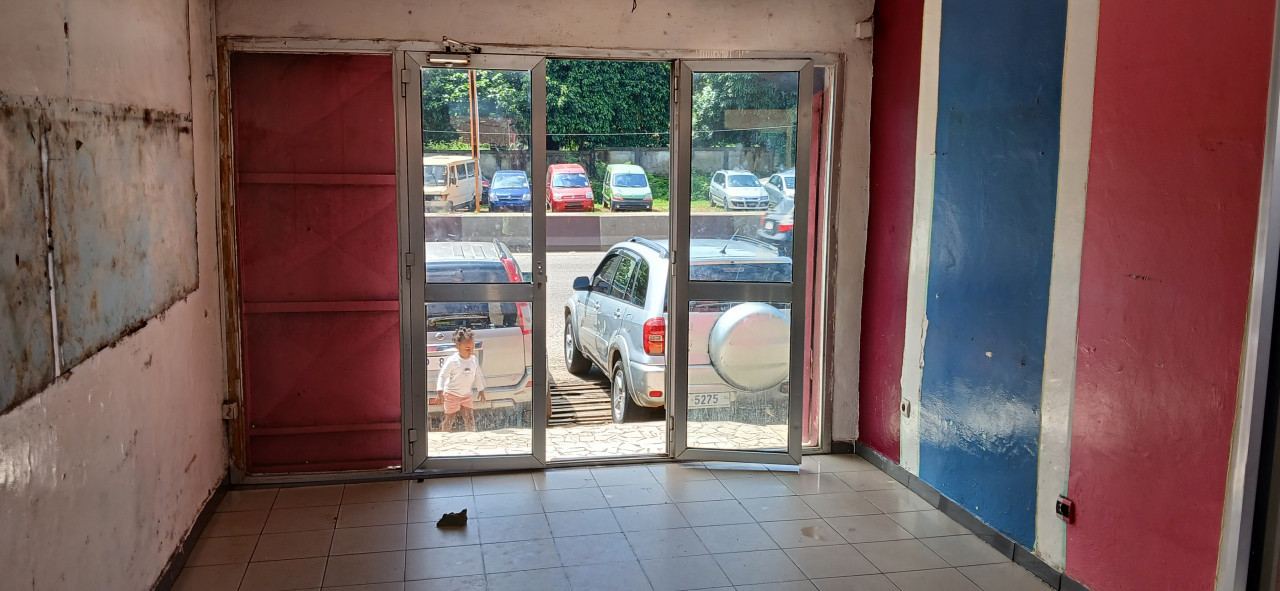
(617, 314)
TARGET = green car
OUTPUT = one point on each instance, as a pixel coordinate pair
(627, 187)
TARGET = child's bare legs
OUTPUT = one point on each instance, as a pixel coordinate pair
(468, 418)
(446, 424)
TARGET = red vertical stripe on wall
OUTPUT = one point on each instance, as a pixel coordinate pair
(1174, 178)
(895, 99)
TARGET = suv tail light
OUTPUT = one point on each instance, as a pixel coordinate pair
(655, 336)
(786, 226)
(762, 216)
(512, 273)
(525, 311)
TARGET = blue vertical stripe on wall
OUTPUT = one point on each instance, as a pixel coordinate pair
(999, 110)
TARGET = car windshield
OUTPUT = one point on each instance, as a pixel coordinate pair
(434, 175)
(510, 181)
(790, 181)
(743, 180)
(570, 180)
(761, 272)
(630, 180)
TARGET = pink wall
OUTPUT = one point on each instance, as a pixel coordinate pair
(1174, 178)
(893, 143)
(103, 473)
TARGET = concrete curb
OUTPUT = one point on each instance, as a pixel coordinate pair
(583, 231)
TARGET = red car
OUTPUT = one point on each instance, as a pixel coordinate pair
(568, 188)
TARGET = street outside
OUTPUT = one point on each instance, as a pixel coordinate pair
(598, 440)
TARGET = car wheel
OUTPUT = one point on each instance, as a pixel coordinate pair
(624, 409)
(574, 360)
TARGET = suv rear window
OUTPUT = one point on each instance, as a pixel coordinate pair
(754, 272)
(470, 272)
(474, 315)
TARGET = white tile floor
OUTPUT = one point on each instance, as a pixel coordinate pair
(837, 523)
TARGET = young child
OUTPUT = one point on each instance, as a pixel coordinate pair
(459, 374)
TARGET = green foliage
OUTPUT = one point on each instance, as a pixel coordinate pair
(499, 95)
(715, 93)
(626, 102)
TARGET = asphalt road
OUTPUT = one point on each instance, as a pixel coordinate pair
(562, 267)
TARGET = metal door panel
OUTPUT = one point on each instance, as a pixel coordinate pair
(316, 235)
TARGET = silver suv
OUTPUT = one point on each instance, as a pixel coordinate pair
(503, 330)
(737, 189)
(617, 320)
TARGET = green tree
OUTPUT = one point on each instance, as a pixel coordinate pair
(626, 103)
(715, 93)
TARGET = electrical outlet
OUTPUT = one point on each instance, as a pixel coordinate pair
(1066, 509)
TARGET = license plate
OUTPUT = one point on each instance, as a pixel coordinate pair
(768, 225)
(714, 400)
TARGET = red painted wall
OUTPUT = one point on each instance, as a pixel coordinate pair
(1174, 179)
(894, 102)
(316, 231)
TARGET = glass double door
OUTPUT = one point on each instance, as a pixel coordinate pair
(628, 292)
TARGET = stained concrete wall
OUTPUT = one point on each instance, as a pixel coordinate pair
(103, 472)
(720, 25)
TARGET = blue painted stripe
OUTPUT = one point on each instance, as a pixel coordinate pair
(999, 109)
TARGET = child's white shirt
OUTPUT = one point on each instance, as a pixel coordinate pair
(458, 376)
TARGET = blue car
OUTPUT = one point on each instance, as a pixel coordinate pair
(509, 190)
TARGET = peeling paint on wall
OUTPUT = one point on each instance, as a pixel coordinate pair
(26, 336)
(110, 190)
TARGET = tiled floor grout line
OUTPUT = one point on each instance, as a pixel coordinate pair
(723, 478)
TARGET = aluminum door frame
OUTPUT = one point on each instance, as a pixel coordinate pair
(414, 287)
(683, 290)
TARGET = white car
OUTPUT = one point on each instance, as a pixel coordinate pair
(737, 189)
(781, 186)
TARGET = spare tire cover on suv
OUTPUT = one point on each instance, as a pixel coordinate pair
(750, 346)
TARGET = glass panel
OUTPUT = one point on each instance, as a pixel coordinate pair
(744, 134)
(461, 421)
(608, 171)
(739, 363)
(476, 139)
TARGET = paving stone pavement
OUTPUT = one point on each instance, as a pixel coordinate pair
(597, 441)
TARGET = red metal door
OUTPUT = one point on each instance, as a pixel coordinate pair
(314, 143)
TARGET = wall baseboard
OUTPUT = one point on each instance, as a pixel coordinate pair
(178, 560)
(1015, 551)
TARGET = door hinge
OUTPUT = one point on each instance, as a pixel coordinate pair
(413, 438)
(675, 88)
(229, 411)
(408, 266)
(404, 83)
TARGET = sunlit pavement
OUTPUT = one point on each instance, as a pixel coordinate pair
(603, 441)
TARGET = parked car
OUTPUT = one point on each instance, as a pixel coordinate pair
(617, 318)
(777, 223)
(510, 191)
(626, 186)
(449, 183)
(568, 188)
(781, 186)
(737, 189)
(503, 330)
